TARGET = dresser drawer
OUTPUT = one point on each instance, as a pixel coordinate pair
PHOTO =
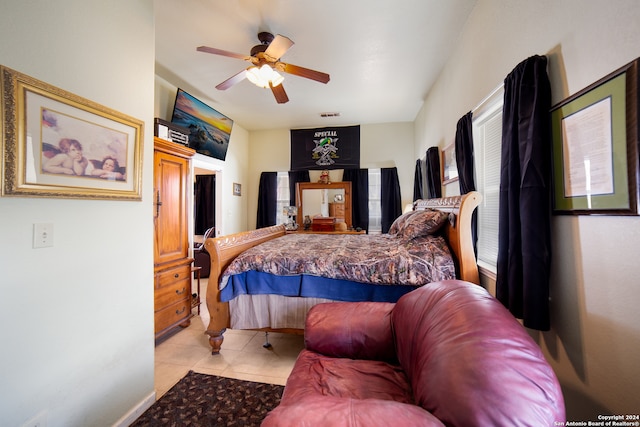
(172, 293)
(167, 277)
(336, 210)
(173, 314)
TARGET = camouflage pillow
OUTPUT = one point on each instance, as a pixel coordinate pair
(422, 223)
(399, 223)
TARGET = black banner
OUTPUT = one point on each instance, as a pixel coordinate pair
(325, 148)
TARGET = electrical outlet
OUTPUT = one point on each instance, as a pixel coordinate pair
(42, 235)
(39, 420)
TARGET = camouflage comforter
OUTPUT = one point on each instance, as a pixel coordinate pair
(377, 259)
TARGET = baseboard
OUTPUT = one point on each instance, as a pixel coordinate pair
(128, 418)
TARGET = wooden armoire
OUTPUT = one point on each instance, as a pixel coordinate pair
(172, 264)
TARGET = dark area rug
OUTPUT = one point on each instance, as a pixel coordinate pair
(209, 400)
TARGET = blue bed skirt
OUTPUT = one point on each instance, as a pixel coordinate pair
(257, 283)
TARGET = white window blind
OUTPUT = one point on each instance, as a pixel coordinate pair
(487, 140)
(375, 207)
(282, 197)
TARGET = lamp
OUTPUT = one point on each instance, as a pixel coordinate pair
(264, 75)
(290, 212)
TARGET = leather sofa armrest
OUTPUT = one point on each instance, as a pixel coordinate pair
(356, 330)
(337, 412)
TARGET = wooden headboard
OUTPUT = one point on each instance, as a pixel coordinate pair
(458, 230)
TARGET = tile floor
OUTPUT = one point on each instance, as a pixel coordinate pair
(242, 355)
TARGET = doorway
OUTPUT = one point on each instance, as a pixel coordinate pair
(204, 199)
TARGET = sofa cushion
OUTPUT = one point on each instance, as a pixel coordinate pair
(347, 412)
(355, 330)
(319, 375)
(458, 344)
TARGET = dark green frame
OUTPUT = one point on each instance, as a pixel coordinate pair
(621, 87)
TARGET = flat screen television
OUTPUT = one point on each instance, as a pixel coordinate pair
(210, 130)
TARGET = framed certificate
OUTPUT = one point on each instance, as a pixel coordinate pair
(595, 147)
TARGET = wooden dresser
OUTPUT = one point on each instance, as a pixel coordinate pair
(172, 264)
(336, 210)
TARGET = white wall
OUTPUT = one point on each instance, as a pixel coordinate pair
(595, 338)
(77, 318)
(231, 211)
(382, 145)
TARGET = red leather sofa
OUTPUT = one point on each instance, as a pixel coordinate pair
(445, 354)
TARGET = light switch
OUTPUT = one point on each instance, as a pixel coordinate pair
(42, 235)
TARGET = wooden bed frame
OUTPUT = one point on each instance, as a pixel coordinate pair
(225, 248)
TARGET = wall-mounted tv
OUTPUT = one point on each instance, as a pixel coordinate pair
(210, 130)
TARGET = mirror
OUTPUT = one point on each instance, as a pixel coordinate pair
(318, 199)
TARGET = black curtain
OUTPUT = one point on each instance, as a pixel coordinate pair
(295, 177)
(267, 199)
(390, 197)
(359, 179)
(524, 237)
(464, 163)
(434, 182)
(417, 181)
(204, 191)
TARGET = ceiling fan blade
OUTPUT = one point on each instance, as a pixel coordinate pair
(215, 51)
(303, 72)
(236, 78)
(278, 47)
(279, 93)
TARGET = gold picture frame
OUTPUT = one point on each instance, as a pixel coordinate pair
(57, 144)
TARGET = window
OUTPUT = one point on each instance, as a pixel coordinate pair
(283, 198)
(375, 204)
(487, 141)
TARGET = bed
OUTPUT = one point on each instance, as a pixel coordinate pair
(267, 279)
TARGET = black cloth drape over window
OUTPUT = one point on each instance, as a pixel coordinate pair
(389, 197)
(464, 163)
(359, 179)
(524, 246)
(464, 153)
(434, 182)
(267, 199)
(295, 177)
(417, 181)
(204, 190)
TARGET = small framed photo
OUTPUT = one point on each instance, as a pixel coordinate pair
(57, 144)
(237, 189)
(449, 166)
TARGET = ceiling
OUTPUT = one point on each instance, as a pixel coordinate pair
(382, 56)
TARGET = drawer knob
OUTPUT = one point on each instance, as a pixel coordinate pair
(176, 275)
(181, 311)
(179, 292)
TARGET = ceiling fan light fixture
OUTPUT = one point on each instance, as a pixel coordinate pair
(253, 75)
(265, 60)
(264, 75)
(276, 78)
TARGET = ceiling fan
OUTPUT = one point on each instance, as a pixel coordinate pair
(265, 60)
